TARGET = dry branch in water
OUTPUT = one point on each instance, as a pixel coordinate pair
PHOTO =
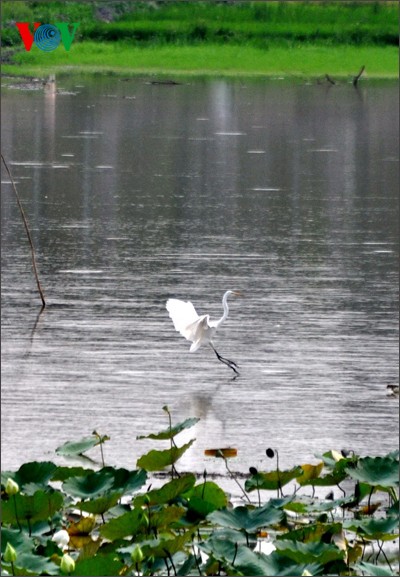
(27, 233)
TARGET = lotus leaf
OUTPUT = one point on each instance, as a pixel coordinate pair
(31, 508)
(382, 529)
(91, 485)
(129, 523)
(312, 532)
(28, 564)
(36, 472)
(157, 460)
(205, 498)
(374, 570)
(171, 432)
(74, 448)
(19, 540)
(272, 480)
(127, 481)
(309, 552)
(168, 492)
(310, 473)
(63, 473)
(383, 471)
(100, 505)
(99, 566)
(167, 547)
(249, 520)
(162, 519)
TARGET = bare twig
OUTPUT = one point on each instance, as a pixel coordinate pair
(357, 78)
(27, 233)
(329, 79)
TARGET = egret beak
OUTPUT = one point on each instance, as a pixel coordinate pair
(237, 293)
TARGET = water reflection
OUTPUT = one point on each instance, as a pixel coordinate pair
(138, 192)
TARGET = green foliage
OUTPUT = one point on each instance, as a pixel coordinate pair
(382, 471)
(171, 432)
(120, 58)
(72, 448)
(123, 529)
(31, 508)
(157, 460)
(246, 519)
(255, 23)
(272, 480)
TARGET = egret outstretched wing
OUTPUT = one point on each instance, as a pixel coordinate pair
(183, 315)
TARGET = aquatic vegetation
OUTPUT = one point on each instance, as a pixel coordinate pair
(72, 520)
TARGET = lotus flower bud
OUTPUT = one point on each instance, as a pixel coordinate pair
(12, 488)
(137, 555)
(10, 554)
(67, 564)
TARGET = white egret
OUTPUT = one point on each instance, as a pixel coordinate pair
(199, 329)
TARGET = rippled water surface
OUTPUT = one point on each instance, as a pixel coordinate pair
(137, 192)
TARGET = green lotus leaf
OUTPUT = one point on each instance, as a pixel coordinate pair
(170, 433)
(157, 460)
(253, 563)
(239, 559)
(163, 518)
(383, 471)
(18, 539)
(373, 570)
(129, 523)
(28, 564)
(63, 473)
(309, 473)
(310, 505)
(312, 532)
(37, 472)
(99, 566)
(272, 480)
(91, 485)
(382, 529)
(328, 480)
(167, 493)
(313, 551)
(167, 547)
(206, 498)
(332, 458)
(249, 520)
(189, 567)
(74, 448)
(228, 534)
(100, 505)
(37, 507)
(127, 481)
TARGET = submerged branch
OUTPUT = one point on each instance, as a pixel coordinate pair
(27, 233)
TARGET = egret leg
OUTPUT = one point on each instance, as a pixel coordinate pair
(226, 362)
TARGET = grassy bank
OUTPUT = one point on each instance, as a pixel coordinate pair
(257, 23)
(305, 61)
(251, 38)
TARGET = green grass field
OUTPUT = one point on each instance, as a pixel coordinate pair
(301, 61)
(305, 39)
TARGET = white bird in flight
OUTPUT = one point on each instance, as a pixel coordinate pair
(199, 329)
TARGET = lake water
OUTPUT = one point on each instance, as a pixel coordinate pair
(136, 192)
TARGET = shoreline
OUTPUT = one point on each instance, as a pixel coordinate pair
(304, 62)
